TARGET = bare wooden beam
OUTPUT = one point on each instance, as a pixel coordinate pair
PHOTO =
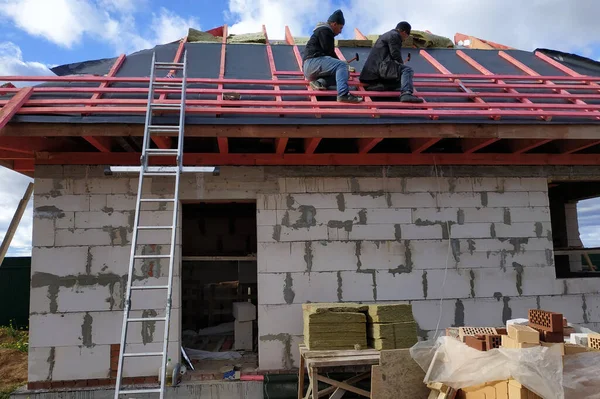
(358, 35)
(470, 146)
(14, 223)
(310, 145)
(103, 144)
(366, 145)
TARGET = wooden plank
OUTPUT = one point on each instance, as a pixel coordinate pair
(419, 145)
(310, 145)
(571, 147)
(343, 361)
(223, 145)
(366, 145)
(339, 353)
(522, 146)
(344, 385)
(418, 130)
(103, 144)
(13, 105)
(280, 145)
(376, 382)
(14, 223)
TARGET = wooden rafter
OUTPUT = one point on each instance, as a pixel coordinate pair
(470, 146)
(280, 145)
(366, 145)
(358, 35)
(290, 40)
(523, 146)
(419, 144)
(13, 105)
(310, 145)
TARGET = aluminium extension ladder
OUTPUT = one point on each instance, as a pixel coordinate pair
(174, 172)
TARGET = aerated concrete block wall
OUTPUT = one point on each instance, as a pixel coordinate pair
(387, 235)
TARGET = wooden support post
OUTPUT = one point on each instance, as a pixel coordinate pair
(14, 223)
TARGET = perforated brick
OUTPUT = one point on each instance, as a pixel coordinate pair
(546, 321)
(475, 343)
(493, 341)
(472, 331)
(594, 341)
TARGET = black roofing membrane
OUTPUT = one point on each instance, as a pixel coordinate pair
(250, 61)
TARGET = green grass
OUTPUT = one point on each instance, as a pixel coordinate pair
(5, 393)
(14, 338)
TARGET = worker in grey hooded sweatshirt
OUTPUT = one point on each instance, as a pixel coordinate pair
(321, 65)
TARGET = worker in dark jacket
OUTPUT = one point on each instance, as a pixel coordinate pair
(385, 68)
(321, 65)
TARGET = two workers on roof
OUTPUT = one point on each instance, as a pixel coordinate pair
(383, 70)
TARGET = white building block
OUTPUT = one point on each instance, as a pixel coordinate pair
(284, 256)
(111, 259)
(141, 367)
(431, 254)
(399, 287)
(59, 261)
(335, 234)
(106, 328)
(324, 216)
(296, 340)
(43, 233)
(68, 324)
(272, 353)
(457, 283)
(434, 215)
(153, 218)
(269, 201)
(357, 287)
(98, 220)
(530, 214)
(86, 298)
(483, 312)
(483, 215)
(519, 306)
(526, 184)
(104, 185)
(478, 260)
(65, 222)
(319, 201)
(581, 286)
(375, 232)
(426, 314)
(471, 230)
(336, 185)
(414, 200)
(382, 255)
(507, 199)
(39, 367)
(427, 184)
(539, 199)
(244, 311)
(314, 233)
(414, 232)
(38, 300)
(493, 281)
(530, 258)
(570, 306)
(366, 201)
(243, 336)
(72, 203)
(49, 186)
(287, 288)
(389, 216)
(98, 202)
(266, 217)
(367, 184)
(541, 281)
(78, 237)
(122, 202)
(538, 244)
(455, 200)
(293, 185)
(516, 230)
(277, 319)
(477, 184)
(333, 256)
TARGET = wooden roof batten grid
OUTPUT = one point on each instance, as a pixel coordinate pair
(22, 155)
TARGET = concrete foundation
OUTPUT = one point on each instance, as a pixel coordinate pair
(324, 234)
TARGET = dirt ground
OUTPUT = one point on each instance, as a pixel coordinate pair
(13, 365)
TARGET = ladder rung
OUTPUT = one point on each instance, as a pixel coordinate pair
(165, 63)
(151, 256)
(149, 287)
(143, 319)
(161, 108)
(174, 84)
(157, 200)
(159, 174)
(142, 354)
(139, 391)
(168, 67)
(163, 128)
(162, 151)
(171, 105)
(155, 227)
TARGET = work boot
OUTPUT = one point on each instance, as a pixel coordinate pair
(317, 85)
(349, 98)
(409, 98)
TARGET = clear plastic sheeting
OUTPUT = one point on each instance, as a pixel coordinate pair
(580, 378)
(457, 365)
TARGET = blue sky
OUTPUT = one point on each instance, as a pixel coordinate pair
(38, 34)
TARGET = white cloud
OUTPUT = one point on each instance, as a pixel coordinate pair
(167, 26)
(248, 16)
(67, 22)
(555, 24)
(588, 216)
(12, 64)
(13, 186)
